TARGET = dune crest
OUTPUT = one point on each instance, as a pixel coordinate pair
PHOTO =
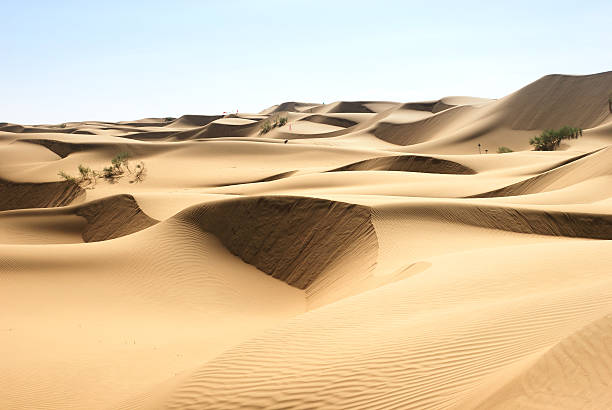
(341, 255)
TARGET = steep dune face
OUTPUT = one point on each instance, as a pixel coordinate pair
(99, 220)
(113, 217)
(550, 102)
(292, 239)
(18, 195)
(364, 255)
(409, 163)
(582, 168)
(559, 99)
(326, 119)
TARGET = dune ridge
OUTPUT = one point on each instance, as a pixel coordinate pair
(363, 255)
(408, 163)
(291, 239)
(20, 195)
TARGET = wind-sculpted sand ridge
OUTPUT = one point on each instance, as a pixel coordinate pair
(573, 374)
(112, 217)
(290, 238)
(20, 195)
(409, 163)
(344, 255)
(386, 349)
(98, 220)
(515, 219)
(573, 171)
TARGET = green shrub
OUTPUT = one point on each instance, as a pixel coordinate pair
(266, 127)
(66, 176)
(117, 169)
(269, 124)
(503, 150)
(549, 140)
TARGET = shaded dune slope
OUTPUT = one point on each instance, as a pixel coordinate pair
(217, 130)
(555, 100)
(550, 102)
(409, 163)
(512, 219)
(325, 119)
(573, 171)
(63, 148)
(112, 217)
(20, 195)
(107, 218)
(294, 239)
(423, 130)
(193, 120)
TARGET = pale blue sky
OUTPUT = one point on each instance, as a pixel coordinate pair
(118, 60)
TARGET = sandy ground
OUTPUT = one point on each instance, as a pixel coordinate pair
(364, 255)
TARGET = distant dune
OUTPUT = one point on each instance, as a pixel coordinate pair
(349, 255)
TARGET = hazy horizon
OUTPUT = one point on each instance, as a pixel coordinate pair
(114, 61)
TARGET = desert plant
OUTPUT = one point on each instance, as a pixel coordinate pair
(121, 160)
(140, 173)
(266, 127)
(66, 176)
(270, 124)
(503, 150)
(117, 169)
(550, 139)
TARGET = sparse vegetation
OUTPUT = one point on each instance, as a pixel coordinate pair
(271, 123)
(550, 140)
(169, 119)
(503, 150)
(119, 168)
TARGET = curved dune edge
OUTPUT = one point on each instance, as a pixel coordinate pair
(325, 119)
(409, 163)
(566, 173)
(23, 195)
(106, 218)
(573, 374)
(274, 177)
(294, 239)
(62, 148)
(217, 130)
(522, 220)
(113, 217)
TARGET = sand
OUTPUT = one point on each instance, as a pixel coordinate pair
(364, 255)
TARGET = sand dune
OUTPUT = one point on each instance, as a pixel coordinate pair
(364, 255)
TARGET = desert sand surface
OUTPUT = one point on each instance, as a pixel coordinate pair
(362, 255)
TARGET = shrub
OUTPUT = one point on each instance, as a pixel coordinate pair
(549, 140)
(118, 168)
(282, 121)
(66, 176)
(267, 126)
(140, 173)
(503, 150)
